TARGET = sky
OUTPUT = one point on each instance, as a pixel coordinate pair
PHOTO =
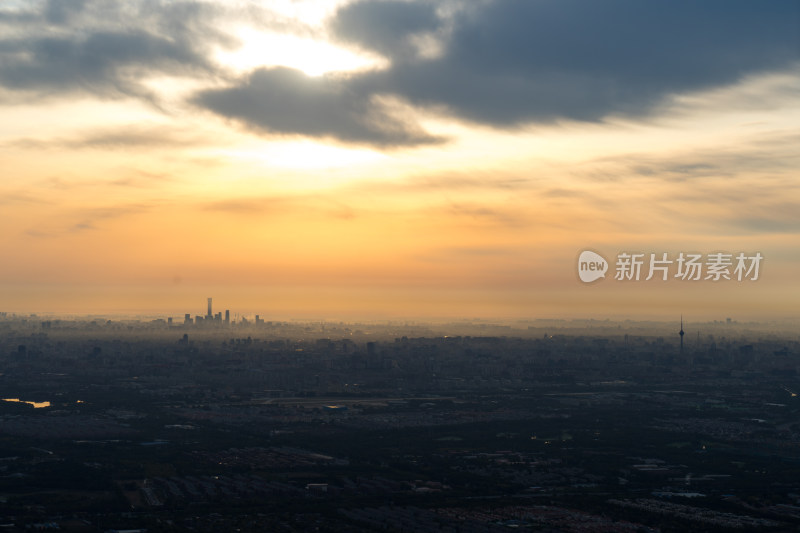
(398, 159)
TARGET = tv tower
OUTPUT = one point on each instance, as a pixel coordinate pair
(681, 332)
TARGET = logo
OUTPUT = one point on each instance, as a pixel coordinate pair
(685, 266)
(591, 266)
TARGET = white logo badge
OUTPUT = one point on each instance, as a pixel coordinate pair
(591, 266)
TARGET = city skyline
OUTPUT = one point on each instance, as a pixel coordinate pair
(392, 159)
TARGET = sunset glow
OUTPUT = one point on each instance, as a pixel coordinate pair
(291, 166)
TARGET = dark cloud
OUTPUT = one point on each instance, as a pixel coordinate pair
(284, 100)
(514, 62)
(503, 63)
(103, 47)
(93, 63)
(62, 11)
(385, 26)
(507, 63)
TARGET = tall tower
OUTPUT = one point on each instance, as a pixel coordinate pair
(209, 309)
(681, 333)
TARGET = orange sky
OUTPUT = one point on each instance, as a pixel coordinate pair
(120, 203)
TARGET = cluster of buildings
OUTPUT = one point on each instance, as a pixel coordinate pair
(211, 319)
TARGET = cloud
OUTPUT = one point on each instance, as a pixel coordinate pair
(776, 159)
(513, 62)
(88, 219)
(386, 27)
(286, 101)
(11, 198)
(116, 211)
(507, 63)
(560, 192)
(94, 63)
(103, 47)
(485, 214)
(310, 205)
(769, 224)
(93, 217)
(449, 182)
(141, 178)
(125, 137)
(83, 226)
(38, 234)
(62, 11)
(481, 251)
(247, 206)
(502, 63)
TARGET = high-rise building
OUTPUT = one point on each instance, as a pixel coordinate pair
(209, 315)
(227, 316)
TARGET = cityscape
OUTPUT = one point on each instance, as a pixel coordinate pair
(549, 425)
(399, 266)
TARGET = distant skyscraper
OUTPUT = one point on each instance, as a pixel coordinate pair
(227, 316)
(681, 333)
(209, 309)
